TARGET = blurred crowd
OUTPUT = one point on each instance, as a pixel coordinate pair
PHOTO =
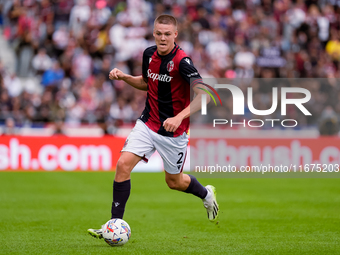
(72, 45)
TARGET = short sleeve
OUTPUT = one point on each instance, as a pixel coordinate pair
(147, 55)
(188, 71)
(145, 65)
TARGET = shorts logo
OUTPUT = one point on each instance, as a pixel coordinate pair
(170, 66)
(126, 142)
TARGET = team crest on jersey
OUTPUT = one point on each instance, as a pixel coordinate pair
(170, 66)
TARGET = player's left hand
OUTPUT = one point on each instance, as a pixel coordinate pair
(171, 124)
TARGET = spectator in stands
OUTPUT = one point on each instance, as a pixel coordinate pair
(41, 62)
(58, 127)
(13, 85)
(121, 111)
(333, 46)
(60, 39)
(329, 122)
(244, 61)
(82, 65)
(101, 13)
(79, 15)
(53, 76)
(25, 53)
(10, 128)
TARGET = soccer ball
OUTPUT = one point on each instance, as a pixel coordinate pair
(116, 232)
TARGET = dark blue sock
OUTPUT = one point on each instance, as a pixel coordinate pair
(196, 188)
(121, 193)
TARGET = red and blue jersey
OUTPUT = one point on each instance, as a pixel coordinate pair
(168, 78)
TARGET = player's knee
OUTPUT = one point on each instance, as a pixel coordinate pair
(123, 166)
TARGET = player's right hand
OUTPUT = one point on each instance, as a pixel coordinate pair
(116, 74)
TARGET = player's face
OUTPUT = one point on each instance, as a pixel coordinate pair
(165, 35)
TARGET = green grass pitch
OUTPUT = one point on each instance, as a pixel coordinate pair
(49, 213)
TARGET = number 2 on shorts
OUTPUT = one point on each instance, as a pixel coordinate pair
(180, 159)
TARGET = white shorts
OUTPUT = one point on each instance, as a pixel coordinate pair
(143, 142)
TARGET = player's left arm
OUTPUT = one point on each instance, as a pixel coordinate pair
(171, 124)
(187, 71)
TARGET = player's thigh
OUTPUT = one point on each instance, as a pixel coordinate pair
(139, 142)
(173, 151)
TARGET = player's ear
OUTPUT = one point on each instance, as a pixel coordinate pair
(176, 33)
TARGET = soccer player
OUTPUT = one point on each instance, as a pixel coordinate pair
(164, 123)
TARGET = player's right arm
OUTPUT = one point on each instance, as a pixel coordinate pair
(135, 81)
